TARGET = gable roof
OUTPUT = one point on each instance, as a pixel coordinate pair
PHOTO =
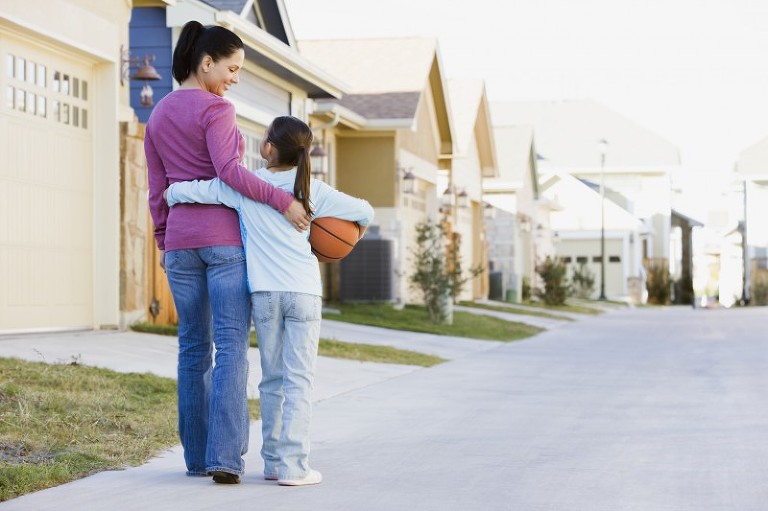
(385, 77)
(567, 133)
(471, 120)
(374, 66)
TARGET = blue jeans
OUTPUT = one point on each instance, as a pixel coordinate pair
(211, 296)
(288, 329)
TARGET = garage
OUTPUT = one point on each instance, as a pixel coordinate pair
(46, 187)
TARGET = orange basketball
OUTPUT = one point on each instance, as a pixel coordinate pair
(332, 239)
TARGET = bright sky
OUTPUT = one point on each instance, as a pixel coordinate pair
(693, 71)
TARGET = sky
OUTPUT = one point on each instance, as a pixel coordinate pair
(693, 71)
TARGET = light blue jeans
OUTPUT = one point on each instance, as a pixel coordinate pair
(211, 296)
(288, 329)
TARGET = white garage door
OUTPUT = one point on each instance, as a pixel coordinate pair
(46, 188)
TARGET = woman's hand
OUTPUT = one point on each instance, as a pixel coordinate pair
(297, 216)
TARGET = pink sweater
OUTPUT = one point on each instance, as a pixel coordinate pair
(192, 134)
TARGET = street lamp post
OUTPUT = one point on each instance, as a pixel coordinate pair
(602, 147)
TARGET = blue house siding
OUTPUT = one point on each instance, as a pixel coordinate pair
(149, 35)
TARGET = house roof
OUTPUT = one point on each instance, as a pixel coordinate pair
(392, 105)
(373, 66)
(753, 161)
(567, 133)
(386, 77)
(513, 150)
(235, 6)
(471, 121)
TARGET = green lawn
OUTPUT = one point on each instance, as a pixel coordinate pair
(61, 422)
(334, 348)
(516, 310)
(415, 319)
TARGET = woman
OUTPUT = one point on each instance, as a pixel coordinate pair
(192, 134)
(286, 291)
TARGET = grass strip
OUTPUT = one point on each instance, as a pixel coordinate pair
(416, 319)
(333, 348)
(516, 310)
(61, 422)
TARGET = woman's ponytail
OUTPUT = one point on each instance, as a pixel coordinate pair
(196, 41)
(183, 55)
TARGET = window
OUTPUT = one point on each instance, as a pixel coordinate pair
(566, 259)
(582, 259)
(597, 259)
(614, 259)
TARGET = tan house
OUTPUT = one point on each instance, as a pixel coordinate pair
(60, 174)
(474, 160)
(388, 140)
(514, 213)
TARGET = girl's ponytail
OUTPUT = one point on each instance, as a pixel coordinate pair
(303, 174)
(292, 138)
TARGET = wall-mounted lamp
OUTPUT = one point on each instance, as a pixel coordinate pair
(409, 179)
(451, 198)
(144, 72)
(317, 157)
(462, 199)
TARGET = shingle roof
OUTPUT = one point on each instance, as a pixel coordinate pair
(392, 105)
(235, 6)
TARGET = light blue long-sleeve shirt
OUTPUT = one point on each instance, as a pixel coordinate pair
(278, 257)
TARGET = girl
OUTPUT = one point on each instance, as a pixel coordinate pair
(192, 134)
(284, 280)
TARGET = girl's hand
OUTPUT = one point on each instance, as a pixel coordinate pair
(296, 215)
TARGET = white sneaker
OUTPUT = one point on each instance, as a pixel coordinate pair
(314, 477)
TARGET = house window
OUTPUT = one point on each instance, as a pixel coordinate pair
(597, 259)
(252, 159)
(582, 259)
(566, 259)
(614, 259)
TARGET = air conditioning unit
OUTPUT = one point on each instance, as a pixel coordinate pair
(367, 272)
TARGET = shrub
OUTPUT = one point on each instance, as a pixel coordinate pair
(556, 288)
(431, 276)
(526, 291)
(658, 283)
(582, 281)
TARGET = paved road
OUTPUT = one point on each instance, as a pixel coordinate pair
(644, 409)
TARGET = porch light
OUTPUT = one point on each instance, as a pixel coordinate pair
(409, 181)
(145, 72)
(317, 157)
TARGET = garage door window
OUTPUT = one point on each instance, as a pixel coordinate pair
(32, 87)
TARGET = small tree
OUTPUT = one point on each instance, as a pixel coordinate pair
(455, 272)
(430, 276)
(582, 280)
(556, 288)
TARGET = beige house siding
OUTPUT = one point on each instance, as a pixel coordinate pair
(365, 168)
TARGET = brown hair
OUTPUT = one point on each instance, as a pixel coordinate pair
(293, 138)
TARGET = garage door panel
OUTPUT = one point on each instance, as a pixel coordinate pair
(46, 186)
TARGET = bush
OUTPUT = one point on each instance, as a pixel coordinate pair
(556, 288)
(431, 276)
(526, 291)
(582, 281)
(658, 283)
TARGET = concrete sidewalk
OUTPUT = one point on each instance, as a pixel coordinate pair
(658, 409)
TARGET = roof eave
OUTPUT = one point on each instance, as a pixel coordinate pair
(282, 59)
